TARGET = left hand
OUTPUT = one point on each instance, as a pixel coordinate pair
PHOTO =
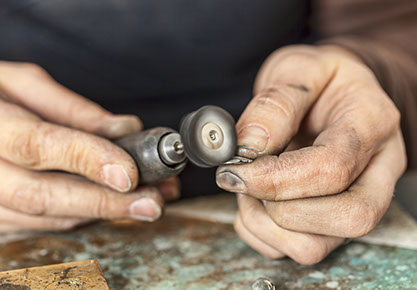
(340, 150)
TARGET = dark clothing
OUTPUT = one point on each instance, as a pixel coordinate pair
(384, 34)
(157, 59)
(162, 59)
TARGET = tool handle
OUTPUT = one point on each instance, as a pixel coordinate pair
(143, 147)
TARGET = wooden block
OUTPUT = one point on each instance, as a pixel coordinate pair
(74, 275)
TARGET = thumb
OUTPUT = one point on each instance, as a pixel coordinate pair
(32, 87)
(283, 96)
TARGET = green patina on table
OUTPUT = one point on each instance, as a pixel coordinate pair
(180, 253)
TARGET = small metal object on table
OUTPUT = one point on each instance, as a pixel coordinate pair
(263, 284)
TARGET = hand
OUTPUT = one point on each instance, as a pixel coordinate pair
(43, 127)
(328, 152)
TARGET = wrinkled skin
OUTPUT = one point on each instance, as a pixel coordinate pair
(328, 152)
(45, 127)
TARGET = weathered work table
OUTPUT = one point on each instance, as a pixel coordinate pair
(181, 253)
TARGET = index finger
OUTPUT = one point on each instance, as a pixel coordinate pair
(32, 143)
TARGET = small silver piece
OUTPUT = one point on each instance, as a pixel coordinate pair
(171, 149)
(179, 147)
(263, 284)
(238, 160)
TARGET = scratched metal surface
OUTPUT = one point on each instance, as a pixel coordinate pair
(179, 253)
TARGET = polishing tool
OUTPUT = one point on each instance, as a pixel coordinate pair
(207, 138)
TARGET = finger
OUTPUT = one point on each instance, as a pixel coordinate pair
(306, 249)
(169, 188)
(354, 212)
(350, 131)
(12, 221)
(339, 154)
(30, 86)
(39, 145)
(259, 246)
(283, 96)
(63, 195)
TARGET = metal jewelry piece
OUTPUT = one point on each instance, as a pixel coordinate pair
(238, 160)
(263, 284)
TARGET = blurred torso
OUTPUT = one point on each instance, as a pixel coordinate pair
(157, 59)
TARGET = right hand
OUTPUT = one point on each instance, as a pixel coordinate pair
(44, 127)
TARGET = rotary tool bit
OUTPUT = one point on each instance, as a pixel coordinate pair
(207, 138)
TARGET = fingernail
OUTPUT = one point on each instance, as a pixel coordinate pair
(116, 177)
(247, 152)
(145, 209)
(118, 126)
(254, 137)
(230, 182)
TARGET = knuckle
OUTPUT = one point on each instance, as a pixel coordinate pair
(395, 117)
(300, 57)
(69, 149)
(101, 205)
(280, 214)
(25, 148)
(32, 199)
(361, 219)
(273, 255)
(338, 174)
(269, 177)
(384, 116)
(32, 70)
(75, 155)
(309, 252)
(276, 100)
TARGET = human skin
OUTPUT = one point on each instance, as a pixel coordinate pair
(46, 128)
(328, 152)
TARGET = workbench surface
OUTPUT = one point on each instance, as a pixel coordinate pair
(180, 253)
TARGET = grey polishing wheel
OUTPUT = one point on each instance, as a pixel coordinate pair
(209, 136)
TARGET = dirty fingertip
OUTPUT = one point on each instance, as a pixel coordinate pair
(117, 126)
(230, 181)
